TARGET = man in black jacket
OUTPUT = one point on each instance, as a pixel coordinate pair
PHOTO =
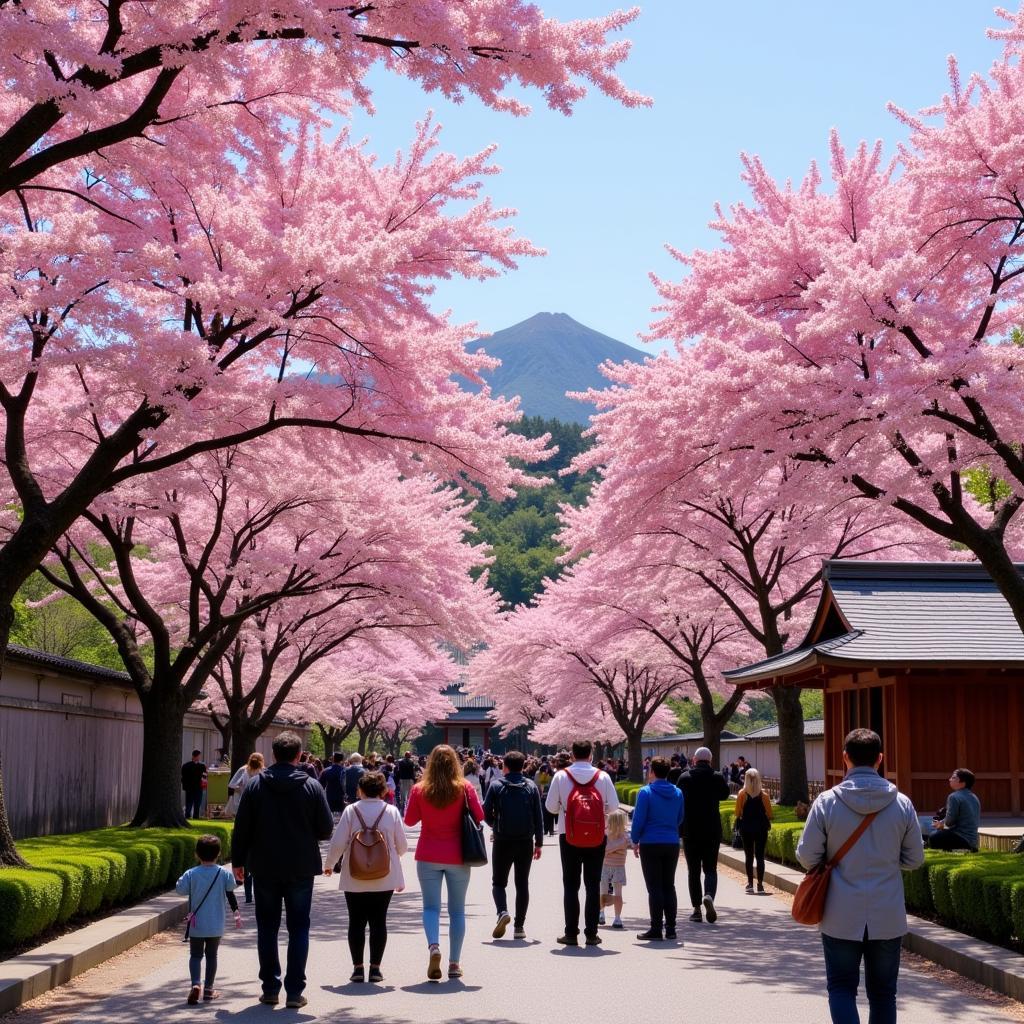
(703, 790)
(282, 816)
(512, 808)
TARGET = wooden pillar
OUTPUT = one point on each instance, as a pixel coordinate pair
(900, 751)
(1016, 768)
(487, 737)
(961, 722)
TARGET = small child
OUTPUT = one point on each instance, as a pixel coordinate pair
(613, 874)
(206, 886)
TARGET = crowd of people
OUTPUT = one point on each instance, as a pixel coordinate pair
(863, 827)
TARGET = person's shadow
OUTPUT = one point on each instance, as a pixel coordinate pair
(440, 988)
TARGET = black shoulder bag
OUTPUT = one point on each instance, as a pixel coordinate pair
(474, 850)
(190, 918)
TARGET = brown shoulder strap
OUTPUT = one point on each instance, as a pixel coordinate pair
(379, 816)
(355, 810)
(849, 844)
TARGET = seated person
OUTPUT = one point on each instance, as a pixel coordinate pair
(957, 829)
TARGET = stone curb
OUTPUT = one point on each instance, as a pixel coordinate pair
(31, 974)
(992, 966)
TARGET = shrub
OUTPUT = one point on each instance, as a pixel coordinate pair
(78, 874)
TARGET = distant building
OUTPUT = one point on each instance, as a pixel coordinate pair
(471, 723)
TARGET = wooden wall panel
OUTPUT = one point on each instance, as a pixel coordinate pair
(933, 729)
(987, 728)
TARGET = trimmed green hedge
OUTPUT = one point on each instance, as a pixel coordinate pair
(627, 791)
(72, 875)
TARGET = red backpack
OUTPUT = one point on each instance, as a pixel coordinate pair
(584, 814)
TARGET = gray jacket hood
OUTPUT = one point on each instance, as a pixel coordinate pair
(864, 791)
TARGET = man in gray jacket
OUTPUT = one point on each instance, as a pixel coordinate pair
(865, 915)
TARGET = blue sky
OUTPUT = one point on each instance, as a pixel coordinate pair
(606, 188)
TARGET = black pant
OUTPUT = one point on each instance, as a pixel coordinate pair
(297, 896)
(193, 802)
(549, 823)
(586, 861)
(658, 862)
(367, 908)
(509, 853)
(701, 855)
(943, 839)
(196, 950)
(753, 845)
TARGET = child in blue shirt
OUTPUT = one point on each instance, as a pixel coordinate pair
(206, 885)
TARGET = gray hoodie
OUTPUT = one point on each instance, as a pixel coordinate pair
(865, 895)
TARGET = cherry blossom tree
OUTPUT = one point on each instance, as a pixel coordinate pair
(231, 537)
(387, 687)
(755, 546)
(161, 255)
(869, 321)
(597, 674)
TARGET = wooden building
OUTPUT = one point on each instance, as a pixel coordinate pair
(928, 655)
(471, 721)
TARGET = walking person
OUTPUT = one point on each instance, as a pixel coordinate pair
(333, 780)
(471, 773)
(236, 787)
(613, 872)
(282, 817)
(193, 776)
(436, 803)
(406, 770)
(703, 791)
(957, 829)
(654, 833)
(377, 826)
(754, 820)
(865, 914)
(353, 773)
(512, 808)
(206, 886)
(581, 796)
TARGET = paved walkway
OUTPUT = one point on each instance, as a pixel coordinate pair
(754, 963)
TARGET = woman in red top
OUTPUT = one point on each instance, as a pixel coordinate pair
(436, 804)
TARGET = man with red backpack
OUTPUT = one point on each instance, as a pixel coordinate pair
(581, 796)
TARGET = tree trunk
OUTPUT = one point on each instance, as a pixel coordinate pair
(712, 726)
(243, 745)
(635, 746)
(598, 750)
(792, 756)
(361, 746)
(9, 856)
(160, 794)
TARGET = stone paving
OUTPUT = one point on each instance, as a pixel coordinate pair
(753, 964)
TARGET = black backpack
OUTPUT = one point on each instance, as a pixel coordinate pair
(514, 818)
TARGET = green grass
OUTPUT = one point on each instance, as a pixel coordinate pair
(75, 875)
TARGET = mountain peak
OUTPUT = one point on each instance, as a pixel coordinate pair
(547, 355)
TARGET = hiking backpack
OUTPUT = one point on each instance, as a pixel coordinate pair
(368, 855)
(584, 814)
(515, 811)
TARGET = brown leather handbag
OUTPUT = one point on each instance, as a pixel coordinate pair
(809, 901)
(368, 855)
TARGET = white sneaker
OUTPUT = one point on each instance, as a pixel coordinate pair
(504, 918)
(600, 918)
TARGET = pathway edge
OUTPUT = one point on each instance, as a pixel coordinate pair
(992, 966)
(46, 967)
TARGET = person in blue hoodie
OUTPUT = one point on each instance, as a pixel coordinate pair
(655, 837)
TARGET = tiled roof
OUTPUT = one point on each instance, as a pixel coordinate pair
(43, 659)
(925, 612)
(813, 728)
(686, 737)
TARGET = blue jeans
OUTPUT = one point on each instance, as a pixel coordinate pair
(456, 876)
(297, 896)
(842, 972)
